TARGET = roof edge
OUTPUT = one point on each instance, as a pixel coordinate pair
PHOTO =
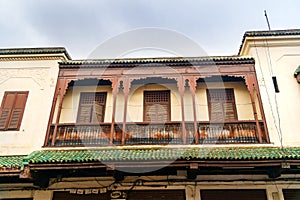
(268, 33)
(39, 50)
(158, 60)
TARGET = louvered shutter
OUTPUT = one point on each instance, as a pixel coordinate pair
(12, 110)
(99, 107)
(221, 104)
(157, 106)
(91, 107)
(17, 111)
(84, 115)
(233, 194)
(6, 108)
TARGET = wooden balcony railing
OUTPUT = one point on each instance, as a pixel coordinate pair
(144, 134)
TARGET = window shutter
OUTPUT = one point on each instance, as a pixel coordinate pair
(91, 107)
(98, 114)
(221, 105)
(84, 115)
(17, 111)
(6, 108)
(157, 106)
(12, 110)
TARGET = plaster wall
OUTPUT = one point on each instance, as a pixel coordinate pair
(38, 77)
(278, 57)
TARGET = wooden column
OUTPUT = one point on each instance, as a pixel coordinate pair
(257, 92)
(193, 86)
(54, 101)
(250, 82)
(115, 89)
(180, 84)
(126, 84)
(62, 89)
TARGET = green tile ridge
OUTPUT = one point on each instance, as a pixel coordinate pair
(157, 60)
(217, 153)
(45, 50)
(11, 161)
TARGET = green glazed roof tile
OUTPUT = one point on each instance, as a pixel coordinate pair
(11, 161)
(220, 153)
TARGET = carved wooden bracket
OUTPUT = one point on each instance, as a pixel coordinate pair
(25, 173)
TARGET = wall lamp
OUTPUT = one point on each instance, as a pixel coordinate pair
(297, 74)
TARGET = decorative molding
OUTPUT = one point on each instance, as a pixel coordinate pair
(37, 74)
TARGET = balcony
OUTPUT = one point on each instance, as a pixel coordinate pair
(173, 103)
(93, 135)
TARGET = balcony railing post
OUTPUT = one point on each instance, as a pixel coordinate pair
(180, 83)
(193, 85)
(115, 89)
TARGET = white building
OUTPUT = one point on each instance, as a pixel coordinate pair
(157, 128)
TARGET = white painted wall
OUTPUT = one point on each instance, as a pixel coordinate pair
(39, 78)
(282, 56)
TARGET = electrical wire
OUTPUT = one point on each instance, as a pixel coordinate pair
(268, 96)
(275, 96)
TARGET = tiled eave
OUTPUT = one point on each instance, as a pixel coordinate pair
(10, 165)
(258, 156)
(170, 61)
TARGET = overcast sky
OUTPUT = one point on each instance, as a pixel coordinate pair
(80, 26)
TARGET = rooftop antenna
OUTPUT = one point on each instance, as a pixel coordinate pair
(274, 79)
(267, 20)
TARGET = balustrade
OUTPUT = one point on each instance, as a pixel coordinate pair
(145, 134)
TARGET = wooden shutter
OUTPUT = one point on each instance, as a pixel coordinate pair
(221, 104)
(157, 106)
(12, 110)
(233, 194)
(291, 194)
(91, 107)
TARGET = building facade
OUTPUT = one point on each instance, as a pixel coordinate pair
(153, 128)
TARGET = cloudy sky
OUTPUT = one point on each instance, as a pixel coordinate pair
(81, 26)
